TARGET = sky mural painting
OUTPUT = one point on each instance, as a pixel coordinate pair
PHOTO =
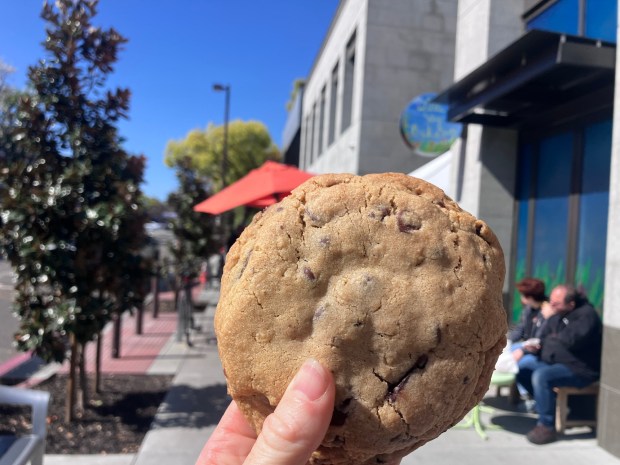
(425, 128)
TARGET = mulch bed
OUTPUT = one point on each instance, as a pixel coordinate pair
(114, 422)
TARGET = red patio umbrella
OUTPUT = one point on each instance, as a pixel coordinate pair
(261, 187)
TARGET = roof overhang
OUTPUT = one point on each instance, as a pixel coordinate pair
(538, 75)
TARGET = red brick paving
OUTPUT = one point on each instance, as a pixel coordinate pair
(138, 351)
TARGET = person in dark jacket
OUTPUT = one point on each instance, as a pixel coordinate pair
(570, 355)
(535, 312)
(532, 293)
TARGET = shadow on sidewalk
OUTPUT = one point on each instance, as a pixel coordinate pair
(510, 418)
(189, 407)
(514, 423)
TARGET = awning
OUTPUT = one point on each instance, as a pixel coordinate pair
(261, 187)
(539, 76)
(437, 172)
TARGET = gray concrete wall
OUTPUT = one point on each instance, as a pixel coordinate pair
(608, 431)
(409, 51)
(485, 165)
(341, 156)
(403, 48)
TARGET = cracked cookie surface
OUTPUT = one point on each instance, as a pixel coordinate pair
(385, 281)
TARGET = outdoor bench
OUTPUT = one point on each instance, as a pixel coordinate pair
(561, 407)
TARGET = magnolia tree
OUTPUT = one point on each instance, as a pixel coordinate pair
(72, 225)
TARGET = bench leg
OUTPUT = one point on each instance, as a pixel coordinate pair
(561, 411)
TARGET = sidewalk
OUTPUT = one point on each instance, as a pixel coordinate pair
(154, 351)
(194, 404)
(198, 398)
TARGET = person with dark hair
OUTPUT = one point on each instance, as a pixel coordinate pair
(533, 296)
(535, 312)
(569, 355)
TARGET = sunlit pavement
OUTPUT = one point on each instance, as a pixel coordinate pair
(198, 398)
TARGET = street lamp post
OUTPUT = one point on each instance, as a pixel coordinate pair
(224, 166)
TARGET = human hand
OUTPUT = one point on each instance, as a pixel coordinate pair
(546, 310)
(532, 344)
(289, 435)
(517, 354)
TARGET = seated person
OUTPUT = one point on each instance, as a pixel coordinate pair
(532, 292)
(536, 310)
(569, 355)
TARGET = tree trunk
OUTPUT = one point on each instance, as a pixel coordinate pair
(155, 288)
(83, 378)
(139, 318)
(116, 340)
(176, 299)
(98, 365)
(70, 398)
(174, 282)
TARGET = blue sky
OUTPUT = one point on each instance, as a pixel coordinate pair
(176, 51)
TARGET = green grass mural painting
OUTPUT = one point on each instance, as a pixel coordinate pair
(591, 278)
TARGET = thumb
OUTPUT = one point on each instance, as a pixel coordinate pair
(298, 425)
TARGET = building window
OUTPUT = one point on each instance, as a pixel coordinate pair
(593, 209)
(333, 100)
(308, 142)
(313, 135)
(322, 116)
(524, 188)
(349, 75)
(601, 19)
(556, 16)
(552, 189)
(595, 19)
(562, 206)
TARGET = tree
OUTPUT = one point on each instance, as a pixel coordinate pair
(298, 84)
(5, 90)
(155, 208)
(249, 146)
(8, 110)
(72, 223)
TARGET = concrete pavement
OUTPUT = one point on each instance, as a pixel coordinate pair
(198, 398)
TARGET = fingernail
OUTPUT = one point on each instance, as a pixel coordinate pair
(312, 380)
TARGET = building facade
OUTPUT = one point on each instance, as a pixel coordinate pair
(540, 158)
(376, 57)
(533, 82)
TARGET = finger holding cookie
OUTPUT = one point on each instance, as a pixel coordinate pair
(289, 435)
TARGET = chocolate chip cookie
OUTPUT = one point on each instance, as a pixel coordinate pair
(390, 285)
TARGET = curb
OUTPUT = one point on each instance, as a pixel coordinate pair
(26, 370)
(13, 363)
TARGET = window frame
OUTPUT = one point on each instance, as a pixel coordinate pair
(533, 137)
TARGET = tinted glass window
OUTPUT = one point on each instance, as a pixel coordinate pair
(601, 18)
(560, 16)
(550, 241)
(524, 181)
(593, 207)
